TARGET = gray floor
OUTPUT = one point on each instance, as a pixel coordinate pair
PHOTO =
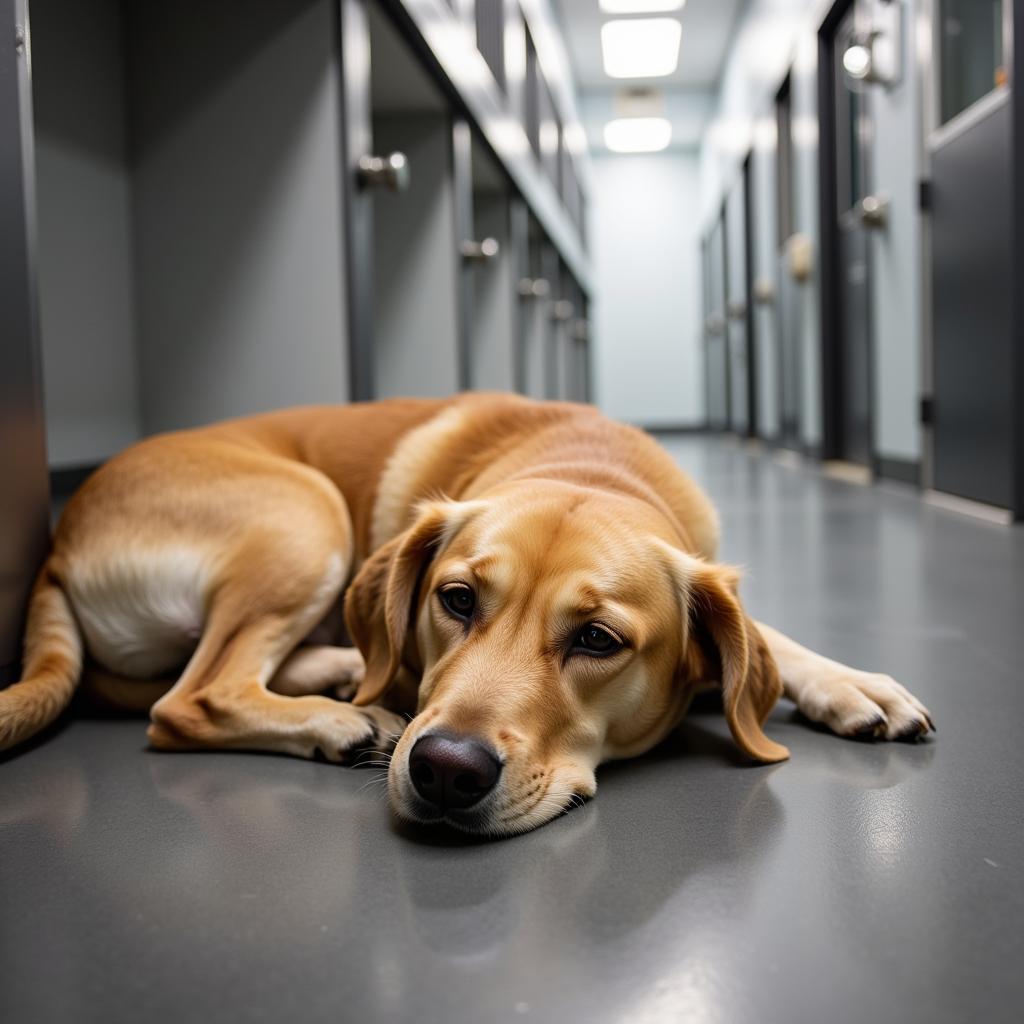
(857, 882)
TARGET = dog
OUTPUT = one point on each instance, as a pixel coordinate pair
(532, 589)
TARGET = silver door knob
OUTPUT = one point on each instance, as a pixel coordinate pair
(479, 252)
(737, 310)
(562, 310)
(534, 288)
(874, 212)
(390, 172)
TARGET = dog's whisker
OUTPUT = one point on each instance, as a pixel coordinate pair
(378, 783)
(379, 753)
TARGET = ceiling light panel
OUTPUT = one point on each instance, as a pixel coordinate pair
(637, 134)
(641, 6)
(640, 47)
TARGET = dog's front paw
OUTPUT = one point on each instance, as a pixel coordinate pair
(356, 735)
(866, 705)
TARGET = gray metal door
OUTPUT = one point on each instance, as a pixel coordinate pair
(737, 306)
(972, 269)
(716, 338)
(24, 482)
(789, 370)
(853, 335)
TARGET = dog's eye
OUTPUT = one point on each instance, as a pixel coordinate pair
(460, 601)
(596, 641)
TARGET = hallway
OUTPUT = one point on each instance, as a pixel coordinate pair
(856, 882)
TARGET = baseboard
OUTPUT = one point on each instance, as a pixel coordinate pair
(905, 471)
(674, 428)
(968, 507)
(67, 479)
(848, 472)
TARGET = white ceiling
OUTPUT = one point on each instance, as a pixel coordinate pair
(707, 31)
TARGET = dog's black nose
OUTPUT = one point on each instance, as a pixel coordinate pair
(453, 772)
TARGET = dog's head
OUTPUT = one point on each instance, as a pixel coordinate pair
(552, 627)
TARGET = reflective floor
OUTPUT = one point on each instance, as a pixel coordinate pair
(857, 882)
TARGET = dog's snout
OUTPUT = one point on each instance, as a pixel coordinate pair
(453, 772)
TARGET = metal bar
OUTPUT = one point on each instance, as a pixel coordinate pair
(24, 526)
(353, 40)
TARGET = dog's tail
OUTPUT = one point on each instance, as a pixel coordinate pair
(53, 664)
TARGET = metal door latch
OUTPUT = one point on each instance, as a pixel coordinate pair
(479, 252)
(391, 171)
(874, 212)
(562, 310)
(533, 288)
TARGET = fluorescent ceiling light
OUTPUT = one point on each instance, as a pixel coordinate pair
(641, 47)
(641, 6)
(637, 134)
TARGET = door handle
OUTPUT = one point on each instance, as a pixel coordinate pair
(873, 212)
(533, 288)
(737, 310)
(479, 252)
(715, 324)
(390, 172)
(562, 310)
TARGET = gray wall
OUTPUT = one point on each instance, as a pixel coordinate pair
(83, 177)
(416, 262)
(646, 313)
(237, 203)
(189, 208)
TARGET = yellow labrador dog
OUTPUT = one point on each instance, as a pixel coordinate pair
(533, 585)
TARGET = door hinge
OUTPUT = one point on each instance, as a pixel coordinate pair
(927, 410)
(924, 195)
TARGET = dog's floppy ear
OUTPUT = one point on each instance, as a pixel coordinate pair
(381, 600)
(750, 677)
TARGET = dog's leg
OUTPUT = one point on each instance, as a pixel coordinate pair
(233, 709)
(850, 702)
(318, 669)
(272, 590)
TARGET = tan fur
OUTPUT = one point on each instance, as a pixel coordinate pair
(216, 559)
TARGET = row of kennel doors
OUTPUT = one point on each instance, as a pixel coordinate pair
(466, 288)
(215, 207)
(788, 320)
(751, 273)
